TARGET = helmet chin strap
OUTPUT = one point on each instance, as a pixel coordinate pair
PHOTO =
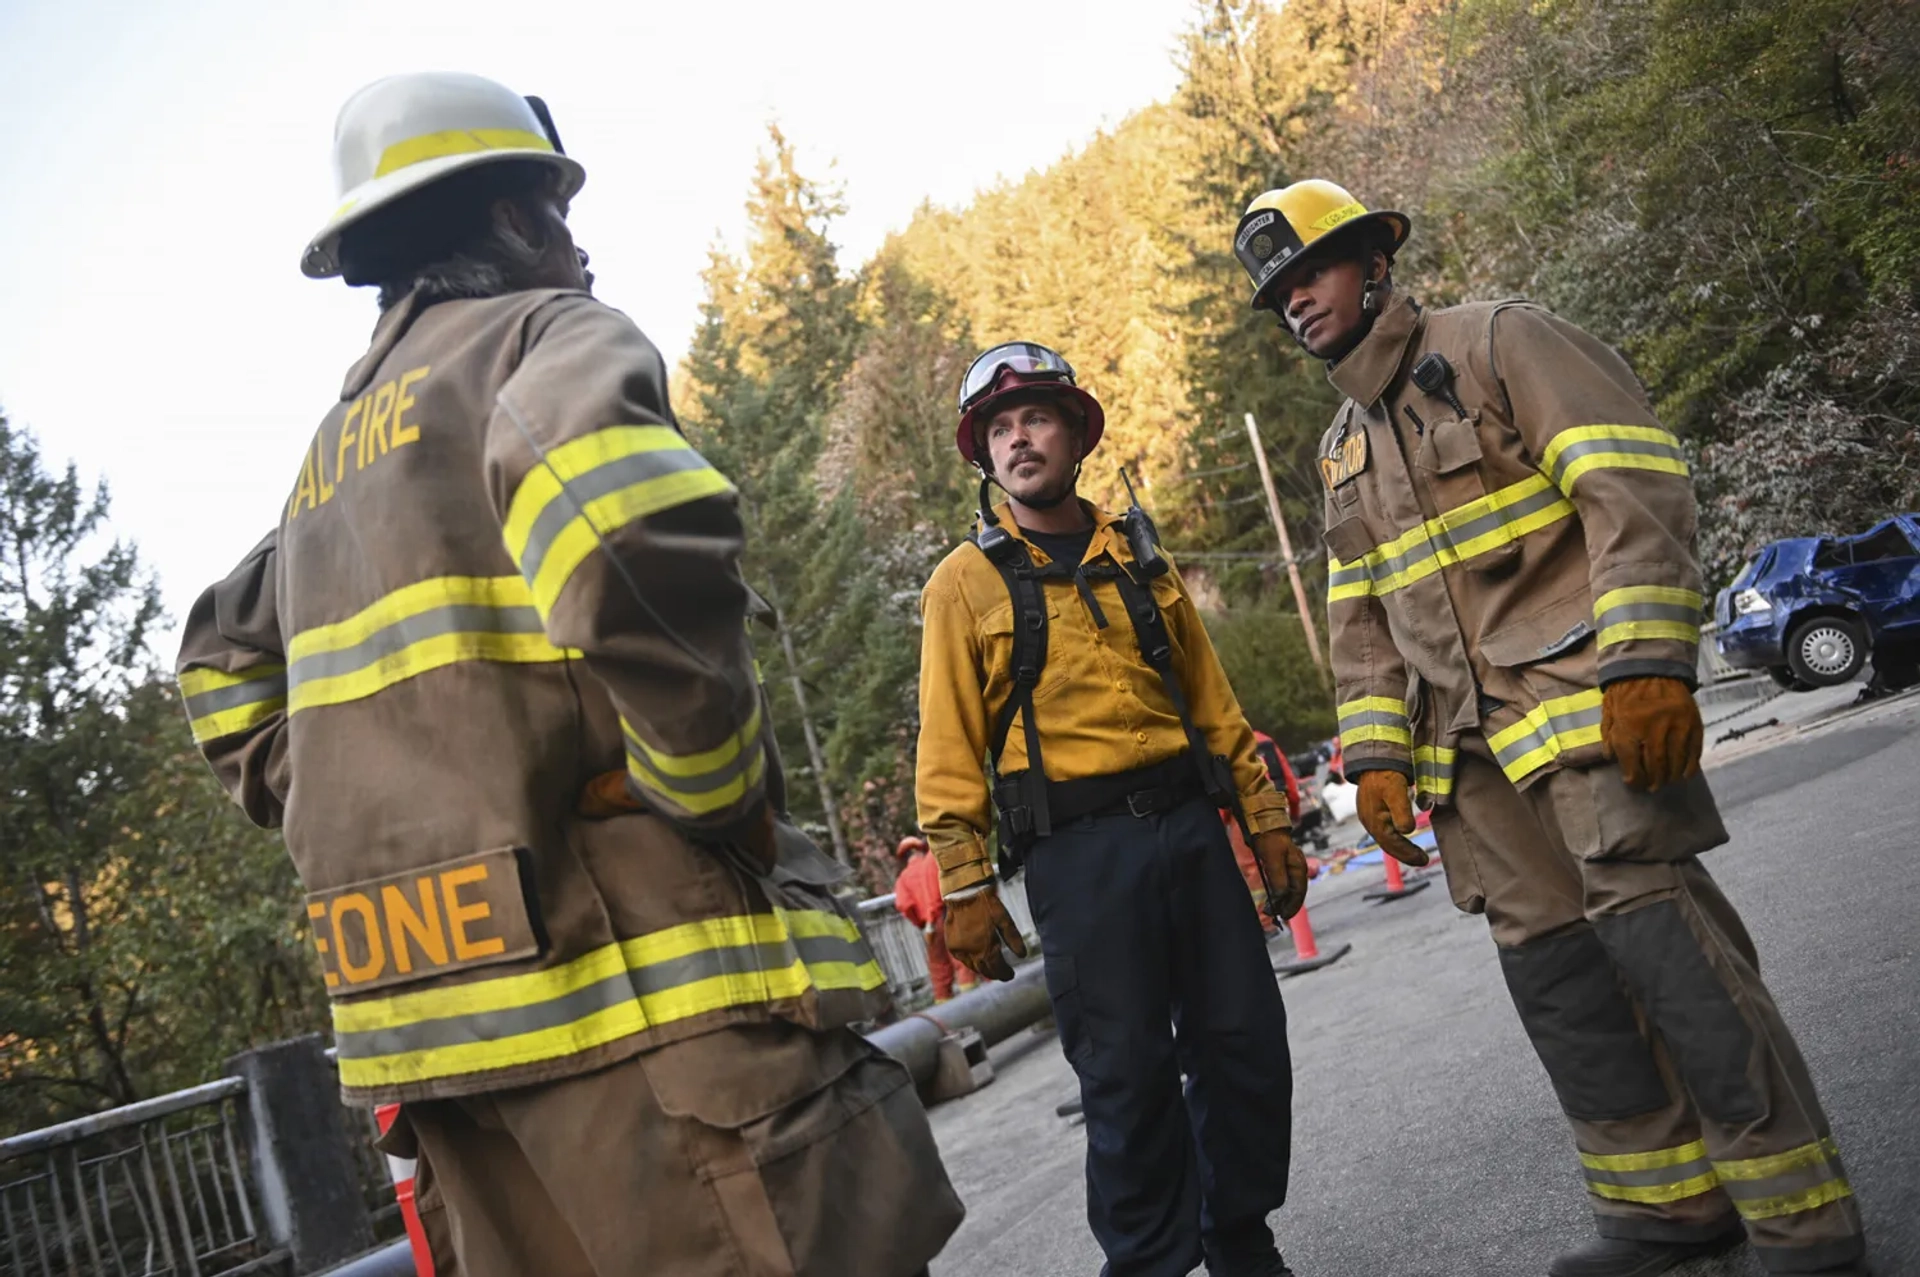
(988, 478)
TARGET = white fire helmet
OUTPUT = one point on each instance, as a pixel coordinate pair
(399, 134)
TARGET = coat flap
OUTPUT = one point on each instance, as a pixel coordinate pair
(1555, 631)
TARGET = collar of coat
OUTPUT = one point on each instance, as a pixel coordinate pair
(392, 326)
(1369, 368)
(1107, 534)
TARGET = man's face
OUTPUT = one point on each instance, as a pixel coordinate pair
(1034, 450)
(1320, 302)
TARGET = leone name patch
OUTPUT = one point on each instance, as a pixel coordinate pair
(461, 913)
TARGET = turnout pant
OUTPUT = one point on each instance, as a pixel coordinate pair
(1156, 968)
(761, 1150)
(1690, 1104)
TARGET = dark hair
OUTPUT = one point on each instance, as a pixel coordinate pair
(444, 240)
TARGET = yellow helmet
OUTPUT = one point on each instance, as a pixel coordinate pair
(1281, 225)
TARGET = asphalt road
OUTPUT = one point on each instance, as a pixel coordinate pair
(1427, 1142)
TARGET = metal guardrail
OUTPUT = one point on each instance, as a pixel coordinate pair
(156, 1188)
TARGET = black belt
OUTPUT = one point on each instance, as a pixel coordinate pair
(1143, 792)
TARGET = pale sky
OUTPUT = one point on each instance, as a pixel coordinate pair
(167, 160)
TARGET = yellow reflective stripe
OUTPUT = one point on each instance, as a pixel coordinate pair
(704, 762)
(1372, 705)
(1433, 769)
(1671, 595)
(241, 718)
(506, 993)
(434, 146)
(417, 658)
(624, 960)
(1451, 538)
(1656, 1160)
(197, 682)
(1621, 461)
(1679, 631)
(1551, 741)
(1832, 1190)
(1375, 732)
(1794, 1159)
(699, 802)
(589, 488)
(1574, 451)
(1655, 1193)
(411, 600)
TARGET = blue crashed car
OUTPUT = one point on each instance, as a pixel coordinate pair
(1811, 611)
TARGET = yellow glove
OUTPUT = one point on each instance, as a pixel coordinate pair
(1285, 870)
(1386, 811)
(1652, 728)
(977, 926)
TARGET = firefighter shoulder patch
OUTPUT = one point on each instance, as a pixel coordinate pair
(1348, 458)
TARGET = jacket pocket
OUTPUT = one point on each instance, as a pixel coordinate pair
(1450, 462)
(1349, 540)
(1544, 676)
(996, 645)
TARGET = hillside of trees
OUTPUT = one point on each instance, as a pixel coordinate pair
(1725, 189)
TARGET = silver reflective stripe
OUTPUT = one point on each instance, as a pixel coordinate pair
(1649, 612)
(1557, 725)
(613, 991)
(266, 688)
(583, 489)
(1652, 1178)
(704, 783)
(1439, 537)
(1589, 447)
(389, 640)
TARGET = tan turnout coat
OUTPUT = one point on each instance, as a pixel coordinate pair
(1495, 560)
(502, 571)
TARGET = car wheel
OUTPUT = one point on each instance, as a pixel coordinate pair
(1827, 651)
(1783, 676)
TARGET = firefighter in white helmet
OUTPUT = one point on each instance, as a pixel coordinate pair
(491, 676)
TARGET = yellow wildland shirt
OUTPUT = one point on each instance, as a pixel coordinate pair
(501, 572)
(1500, 547)
(1100, 708)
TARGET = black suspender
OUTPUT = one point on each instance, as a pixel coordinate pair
(1021, 799)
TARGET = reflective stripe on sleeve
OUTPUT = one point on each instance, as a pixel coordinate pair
(222, 704)
(1573, 452)
(613, 992)
(1550, 730)
(1374, 718)
(589, 488)
(1648, 612)
(1664, 1175)
(424, 626)
(1433, 770)
(1455, 536)
(702, 783)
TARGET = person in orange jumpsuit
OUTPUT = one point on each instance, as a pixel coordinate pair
(916, 894)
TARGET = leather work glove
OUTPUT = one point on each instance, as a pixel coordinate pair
(607, 796)
(1285, 870)
(978, 925)
(1652, 728)
(1386, 812)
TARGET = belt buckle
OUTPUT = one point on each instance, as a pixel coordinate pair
(1143, 803)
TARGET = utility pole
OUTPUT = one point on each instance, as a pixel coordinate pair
(1286, 545)
(813, 742)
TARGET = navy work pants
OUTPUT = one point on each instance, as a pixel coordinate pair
(1156, 967)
